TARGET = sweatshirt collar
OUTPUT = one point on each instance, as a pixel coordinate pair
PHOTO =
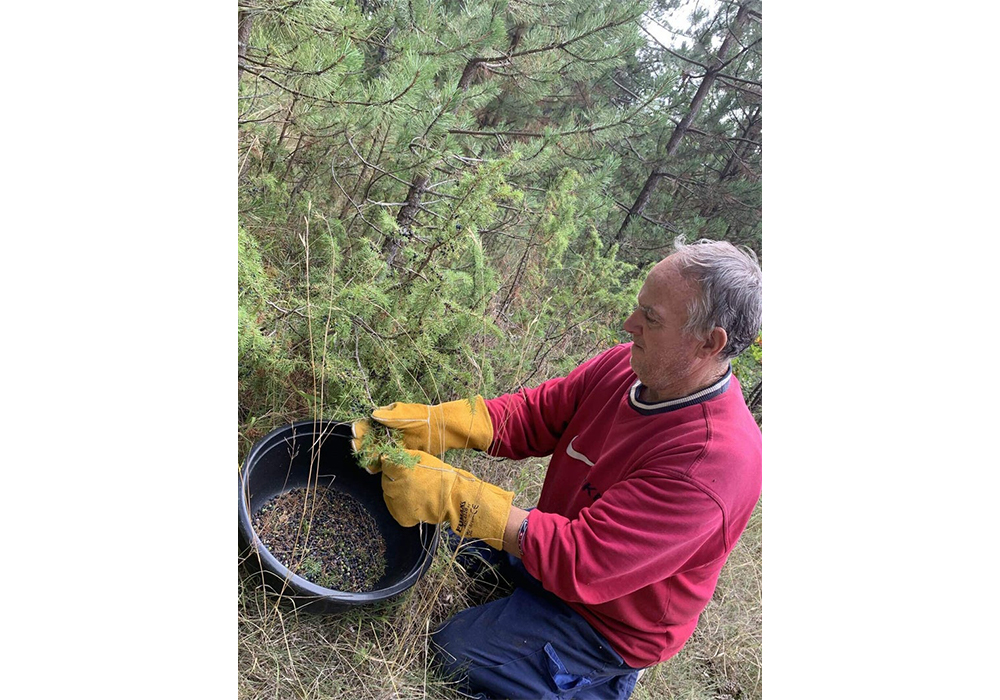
(700, 396)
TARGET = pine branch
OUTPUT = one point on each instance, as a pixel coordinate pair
(672, 52)
(589, 130)
(262, 119)
(625, 89)
(357, 209)
(740, 80)
(738, 54)
(741, 89)
(664, 224)
(632, 148)
(586, 60)
(334, 103)
(375, 167)
(474, 63)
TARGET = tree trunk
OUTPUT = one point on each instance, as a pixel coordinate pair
(756, 396)
(642, 200)
(244, 22)
(743, 147)
(411, 206)
(405, 218)
(472, 69)
(675, 138)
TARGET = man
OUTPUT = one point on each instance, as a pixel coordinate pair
(655, 471)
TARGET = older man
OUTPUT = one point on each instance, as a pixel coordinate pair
(655, 471)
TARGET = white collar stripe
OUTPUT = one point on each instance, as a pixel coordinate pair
(697, 397)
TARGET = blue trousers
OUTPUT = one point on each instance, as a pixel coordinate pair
(529, 646)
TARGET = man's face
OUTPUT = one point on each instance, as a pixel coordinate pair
(662, 354)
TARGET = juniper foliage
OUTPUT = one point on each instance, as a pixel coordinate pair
(430, 192)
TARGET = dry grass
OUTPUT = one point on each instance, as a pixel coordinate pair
(374, 652)
(381, 651)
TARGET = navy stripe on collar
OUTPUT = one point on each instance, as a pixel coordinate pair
(709, 392)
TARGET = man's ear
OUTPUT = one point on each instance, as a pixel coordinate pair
(714, 343)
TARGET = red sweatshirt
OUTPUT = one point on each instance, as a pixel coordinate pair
(641, 504)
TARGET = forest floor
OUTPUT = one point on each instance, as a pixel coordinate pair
(381, 651)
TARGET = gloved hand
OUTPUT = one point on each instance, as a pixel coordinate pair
(434, 428)
(435, 492)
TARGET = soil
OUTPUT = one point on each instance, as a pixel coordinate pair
(324, 536)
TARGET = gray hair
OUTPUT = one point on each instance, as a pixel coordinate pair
(729, 281)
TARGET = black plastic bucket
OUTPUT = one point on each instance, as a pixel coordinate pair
(318, 454)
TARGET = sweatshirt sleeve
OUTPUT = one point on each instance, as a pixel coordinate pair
(529, 422)
(642, 530)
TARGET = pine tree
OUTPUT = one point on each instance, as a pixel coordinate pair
(710, 122)
(428, 186)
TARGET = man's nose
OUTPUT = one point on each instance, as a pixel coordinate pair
(630, 325)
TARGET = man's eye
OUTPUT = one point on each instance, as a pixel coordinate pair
(645, 314)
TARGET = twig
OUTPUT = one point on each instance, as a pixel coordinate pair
(334, 103)
(364, 375)
(251, 121)
(285, 312)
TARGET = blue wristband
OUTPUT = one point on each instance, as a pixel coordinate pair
(520, 535)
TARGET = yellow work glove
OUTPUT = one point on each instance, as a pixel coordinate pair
(434, 428)
(435, 492)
